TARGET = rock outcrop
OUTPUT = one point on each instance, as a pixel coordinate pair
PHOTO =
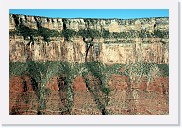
(111, 49)
(140, 88)
(151, 101)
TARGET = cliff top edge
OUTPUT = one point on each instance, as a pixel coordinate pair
(90, 18)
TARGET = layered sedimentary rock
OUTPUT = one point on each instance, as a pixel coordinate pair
(107, 50)
(113, 25)
(139, 41)
(151, 100)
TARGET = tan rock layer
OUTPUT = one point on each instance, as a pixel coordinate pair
(113, 25)
(58, 49)
(74, 51)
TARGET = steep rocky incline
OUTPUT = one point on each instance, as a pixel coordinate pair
(151, 100)
(114, 40)
(131, 76)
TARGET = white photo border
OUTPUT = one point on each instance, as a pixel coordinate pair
(171, 119)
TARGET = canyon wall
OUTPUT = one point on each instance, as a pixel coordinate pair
(115, 41)
(105, 49)
(151, 100)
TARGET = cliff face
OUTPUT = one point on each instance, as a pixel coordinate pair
(139, 88)
(137, 46)
(151, 100)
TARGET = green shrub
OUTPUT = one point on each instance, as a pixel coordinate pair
(164, 68)
(89, 33)
(105, 33)
(17, 68)
(42, 73)
(114, 68)
(161, 34)
(68, 33)
(47, 33)
(13, 32)
(26, 31)
(90, 21)
(99, 71)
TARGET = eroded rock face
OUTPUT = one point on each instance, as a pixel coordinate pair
(126, 96)
(113, 25)
(143, 99)
(106, 50)
(74, 51)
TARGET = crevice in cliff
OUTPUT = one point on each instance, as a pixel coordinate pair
(38, 23)
(47, 20)
(64, 24)
(26, 18)
(21, 21)
(16, 20)
(89, 44)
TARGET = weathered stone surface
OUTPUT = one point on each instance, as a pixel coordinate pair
(126, 97)
(116, 50)
(113, 25)
(143, 99)
(74, 51)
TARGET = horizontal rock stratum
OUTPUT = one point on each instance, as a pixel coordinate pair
(114, 40)
(53, 66)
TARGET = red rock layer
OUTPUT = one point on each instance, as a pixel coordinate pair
(142, 98)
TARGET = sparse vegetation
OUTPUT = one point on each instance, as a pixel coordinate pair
(86, 33)
(96, 75)
(43, 72)
(68, 34)
(164, 68)
(161, 34)
(47, 33)
(17, 69)
(27, 32)
(89, 33)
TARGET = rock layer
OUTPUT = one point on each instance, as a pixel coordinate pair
(106, 50)
(126, 96)
(148, 99)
